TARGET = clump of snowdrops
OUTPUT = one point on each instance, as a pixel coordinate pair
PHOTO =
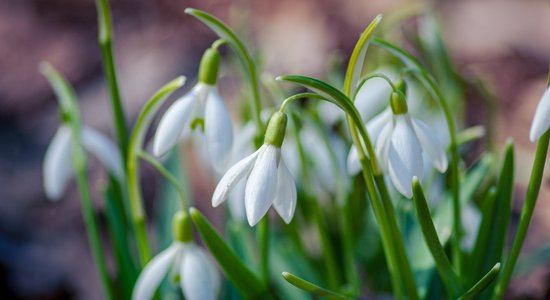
(367, 175)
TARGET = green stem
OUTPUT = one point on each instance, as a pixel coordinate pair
(263, 236)
(526, 215)
(79, 164)
(224, 32)
(167, 175)
(387, 241)
(106, 44)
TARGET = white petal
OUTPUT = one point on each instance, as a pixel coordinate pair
(218, 130)
(236, 201)
(383, 146)
(199, 278)
(430, 145)
(173, 123)
(375, 126)
(373, 97)
(541, 120)
(316, 148)
(262, 184)
(289, 151)
(155, 271)
(405, 156)
(57, 164)
(285, 199)
(100, 146)
(353, 163)
(232, 177)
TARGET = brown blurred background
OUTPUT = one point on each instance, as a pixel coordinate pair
(43, 248)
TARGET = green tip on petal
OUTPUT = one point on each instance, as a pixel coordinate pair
(210, 63)
(275, 133)
(398, 103)
(182, 229)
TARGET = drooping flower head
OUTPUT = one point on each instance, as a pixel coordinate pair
(268, 180)
(183, 261)
(201, 110)
(57, 169)
(400, 142)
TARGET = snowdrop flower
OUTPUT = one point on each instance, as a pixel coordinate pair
(268, 180)
(57, 168)
(541, 121)
(202, 109)
(400, 142)
(185, 262)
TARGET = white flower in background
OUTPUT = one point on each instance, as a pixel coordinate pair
(541, 121)
(201, 109)
(372, 97)
(183, 261)
(268, 180)
(400, 142)
(325, 164)
(57, 168)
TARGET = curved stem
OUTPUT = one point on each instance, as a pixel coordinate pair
(167, 175)
(218, 43)
(371, 76)
(299, 96)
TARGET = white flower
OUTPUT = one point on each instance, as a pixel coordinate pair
(541, 121)
(400, 142)
(57, 168)
(268, 180)
(198, 277)
(201, 109)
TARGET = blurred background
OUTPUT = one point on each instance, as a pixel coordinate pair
(43, 247)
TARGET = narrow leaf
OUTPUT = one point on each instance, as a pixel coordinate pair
(234, 269)
(312, 288)
(357, 58)
(496, 217)
(449, 277)
(482, 284)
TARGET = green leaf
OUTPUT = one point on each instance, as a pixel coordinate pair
(449, 277)
(126, 270)
(357, 58)
(312, 288)
(442, 218)
(496, 217)
(482, 284)
(234, 269)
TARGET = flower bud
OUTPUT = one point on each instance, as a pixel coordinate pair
(208, 69)
(398, 103)
(276, 128)
(181, 227)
